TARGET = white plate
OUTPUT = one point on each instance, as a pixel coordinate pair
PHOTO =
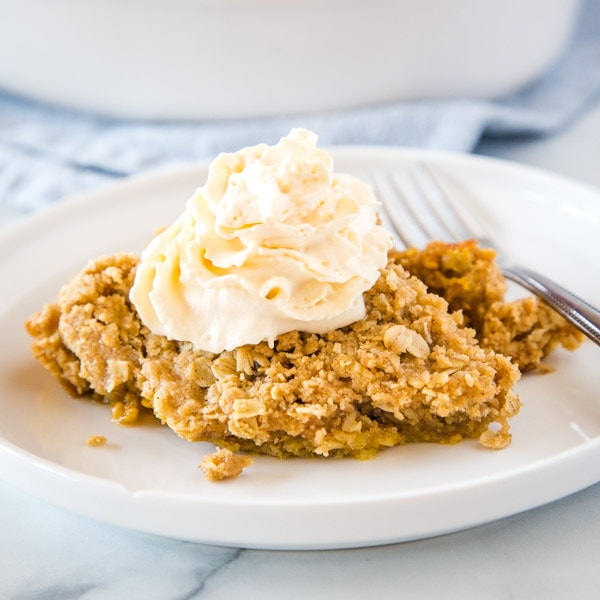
(146, 478)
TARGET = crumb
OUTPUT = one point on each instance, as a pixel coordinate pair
(96, 440)
(224, 464)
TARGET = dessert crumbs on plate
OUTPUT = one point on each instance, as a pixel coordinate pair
(96, 440)
(224, 464)
(428, 363)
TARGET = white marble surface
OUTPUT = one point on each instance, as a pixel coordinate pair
(547, 553)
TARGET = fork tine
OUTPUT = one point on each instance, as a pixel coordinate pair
(417, 216)
(390, 215)
(420, 218)
(441, 204)
(464, 225)
(429, 211)
(381, 187)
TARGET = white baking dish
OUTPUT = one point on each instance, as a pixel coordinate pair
(197, 59)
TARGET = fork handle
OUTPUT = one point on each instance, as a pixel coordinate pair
(579, 312)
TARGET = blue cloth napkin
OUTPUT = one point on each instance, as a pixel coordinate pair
(47, 153)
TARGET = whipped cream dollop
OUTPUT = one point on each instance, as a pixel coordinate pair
(273, 242)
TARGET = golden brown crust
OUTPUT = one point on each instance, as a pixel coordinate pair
(50, 350)
(91, 339)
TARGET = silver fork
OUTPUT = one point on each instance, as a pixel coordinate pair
(440, 216)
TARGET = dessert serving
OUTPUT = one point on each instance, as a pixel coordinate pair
(274, 317)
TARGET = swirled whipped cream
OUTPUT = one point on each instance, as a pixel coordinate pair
(273, 242)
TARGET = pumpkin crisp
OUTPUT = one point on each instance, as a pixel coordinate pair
(417, 368)
(408, 372)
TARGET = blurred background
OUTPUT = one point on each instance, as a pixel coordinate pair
(91, 92)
